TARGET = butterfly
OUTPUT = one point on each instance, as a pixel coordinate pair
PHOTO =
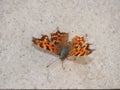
(59, 45)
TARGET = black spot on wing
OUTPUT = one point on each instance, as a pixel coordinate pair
(47, 47)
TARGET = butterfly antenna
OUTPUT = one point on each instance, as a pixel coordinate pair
(51, 63)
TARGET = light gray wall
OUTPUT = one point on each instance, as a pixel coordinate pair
(23, 66)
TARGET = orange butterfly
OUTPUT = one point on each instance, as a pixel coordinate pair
(59, 44)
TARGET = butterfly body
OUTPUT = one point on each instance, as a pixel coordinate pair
(64, 53)
(59, 45)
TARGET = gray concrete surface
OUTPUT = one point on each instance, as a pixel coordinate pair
(23, 66)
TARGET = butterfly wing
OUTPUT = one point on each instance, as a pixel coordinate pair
(59, 39)
(81, 51)
(55, 44)
(79, 47)
(45, 43)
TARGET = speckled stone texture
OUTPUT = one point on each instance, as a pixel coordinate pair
(23, 66)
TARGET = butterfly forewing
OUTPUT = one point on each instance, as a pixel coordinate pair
(59, 39)
(80, 47)
(55, 44)
(45, 43)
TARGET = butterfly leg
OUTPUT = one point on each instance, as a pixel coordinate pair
(51, 63)
(63, 66)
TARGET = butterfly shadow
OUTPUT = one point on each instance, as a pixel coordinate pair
(84, 60)
(46, 51)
